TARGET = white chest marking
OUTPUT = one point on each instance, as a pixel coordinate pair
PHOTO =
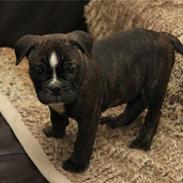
(53, 63)
(57, 107)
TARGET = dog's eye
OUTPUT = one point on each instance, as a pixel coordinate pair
(39, 70)
(71, 68)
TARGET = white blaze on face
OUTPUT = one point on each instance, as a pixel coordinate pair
(53, 63)
(58, 107)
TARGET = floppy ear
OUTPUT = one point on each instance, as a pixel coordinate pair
(82, 40)
(23, 46)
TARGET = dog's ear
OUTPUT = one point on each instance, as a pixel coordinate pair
(82, 40)
(23, 46)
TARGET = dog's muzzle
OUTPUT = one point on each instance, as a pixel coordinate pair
(56, 92)
(56, 86)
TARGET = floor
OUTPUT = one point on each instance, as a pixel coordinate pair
(15, 165)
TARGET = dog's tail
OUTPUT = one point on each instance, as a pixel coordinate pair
(178, 46)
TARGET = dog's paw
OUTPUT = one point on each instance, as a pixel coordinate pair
(75, 166)
(141, 142)
(49, 132)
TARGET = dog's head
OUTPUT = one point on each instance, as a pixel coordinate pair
(56, 63)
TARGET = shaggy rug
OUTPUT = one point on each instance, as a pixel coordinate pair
(112, 160)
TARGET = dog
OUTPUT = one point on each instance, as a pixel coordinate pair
(78, 78)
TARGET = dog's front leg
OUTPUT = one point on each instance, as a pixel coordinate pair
(83, 146)
(59, 123)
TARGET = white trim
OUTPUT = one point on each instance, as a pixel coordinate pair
(29, 143)
(181, 38)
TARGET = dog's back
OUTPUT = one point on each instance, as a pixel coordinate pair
(136, 42)
(136, 58)
(137, 65)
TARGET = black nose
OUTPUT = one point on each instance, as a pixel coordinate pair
(54, 88)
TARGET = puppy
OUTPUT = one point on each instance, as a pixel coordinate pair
(80, 79)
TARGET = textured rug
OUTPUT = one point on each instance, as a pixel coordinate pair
(112, 161)
(105, 17)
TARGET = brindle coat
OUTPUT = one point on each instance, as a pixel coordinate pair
(130, 67)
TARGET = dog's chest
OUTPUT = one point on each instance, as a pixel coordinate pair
(58, 107)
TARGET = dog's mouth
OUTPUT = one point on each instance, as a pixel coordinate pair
(47, 97)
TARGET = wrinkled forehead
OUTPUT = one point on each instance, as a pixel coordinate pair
(43, 51)
(61, 46)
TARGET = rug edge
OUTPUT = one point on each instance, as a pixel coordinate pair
(28, 141)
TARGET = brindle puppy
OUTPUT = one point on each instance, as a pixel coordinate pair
(80, 79)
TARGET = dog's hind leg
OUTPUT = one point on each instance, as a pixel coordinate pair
(155, 97)
(133, 109)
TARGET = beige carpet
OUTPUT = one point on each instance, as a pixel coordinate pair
(107, 16)
(112, 161)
